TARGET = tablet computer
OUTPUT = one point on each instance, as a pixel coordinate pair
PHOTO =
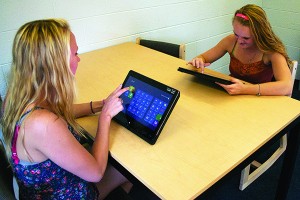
(147, 106)
(205, 76)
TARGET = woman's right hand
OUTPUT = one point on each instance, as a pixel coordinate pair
(113, 104)
(198, 62)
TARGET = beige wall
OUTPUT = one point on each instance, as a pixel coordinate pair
(200, 24)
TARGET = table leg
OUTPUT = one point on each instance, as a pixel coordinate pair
(288, 163)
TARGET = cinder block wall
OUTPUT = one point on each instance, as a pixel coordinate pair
(284, 17)
(200, 24)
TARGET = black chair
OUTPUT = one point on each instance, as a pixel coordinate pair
(175, 50)
(6, 176)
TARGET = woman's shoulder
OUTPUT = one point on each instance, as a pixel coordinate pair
(228, 42)
(46, 135)
(230, 39)
(41, 119)
(272, 57)
(41, 114)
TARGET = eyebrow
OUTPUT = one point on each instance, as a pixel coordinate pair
(246, 38)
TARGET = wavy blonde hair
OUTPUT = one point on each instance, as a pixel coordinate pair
(266, 40)
(40, 73)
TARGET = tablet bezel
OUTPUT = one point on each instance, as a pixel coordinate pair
(205, 76)
(137, 127)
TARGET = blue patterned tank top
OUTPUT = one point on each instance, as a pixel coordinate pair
(46, 180)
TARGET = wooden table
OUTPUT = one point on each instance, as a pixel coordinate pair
(208, 134)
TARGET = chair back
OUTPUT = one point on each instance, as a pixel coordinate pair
(175, 50)
(293, 69)
(6, 176)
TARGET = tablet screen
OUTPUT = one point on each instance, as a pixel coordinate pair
(147, 106)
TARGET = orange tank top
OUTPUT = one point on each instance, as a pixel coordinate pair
(257, 72)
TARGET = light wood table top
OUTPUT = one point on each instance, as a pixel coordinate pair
(208, 134)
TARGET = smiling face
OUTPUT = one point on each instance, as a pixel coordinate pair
(243, 35)
(74, 59)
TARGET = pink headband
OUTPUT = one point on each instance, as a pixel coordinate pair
(242, 16)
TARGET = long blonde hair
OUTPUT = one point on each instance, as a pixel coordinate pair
(266, 40)
(40, 73)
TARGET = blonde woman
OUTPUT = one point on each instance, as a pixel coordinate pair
(257, 55)
(42, 136)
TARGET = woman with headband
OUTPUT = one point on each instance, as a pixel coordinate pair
(257, 56)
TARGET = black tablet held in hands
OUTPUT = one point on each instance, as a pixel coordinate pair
(204, 76)
(147, 106)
